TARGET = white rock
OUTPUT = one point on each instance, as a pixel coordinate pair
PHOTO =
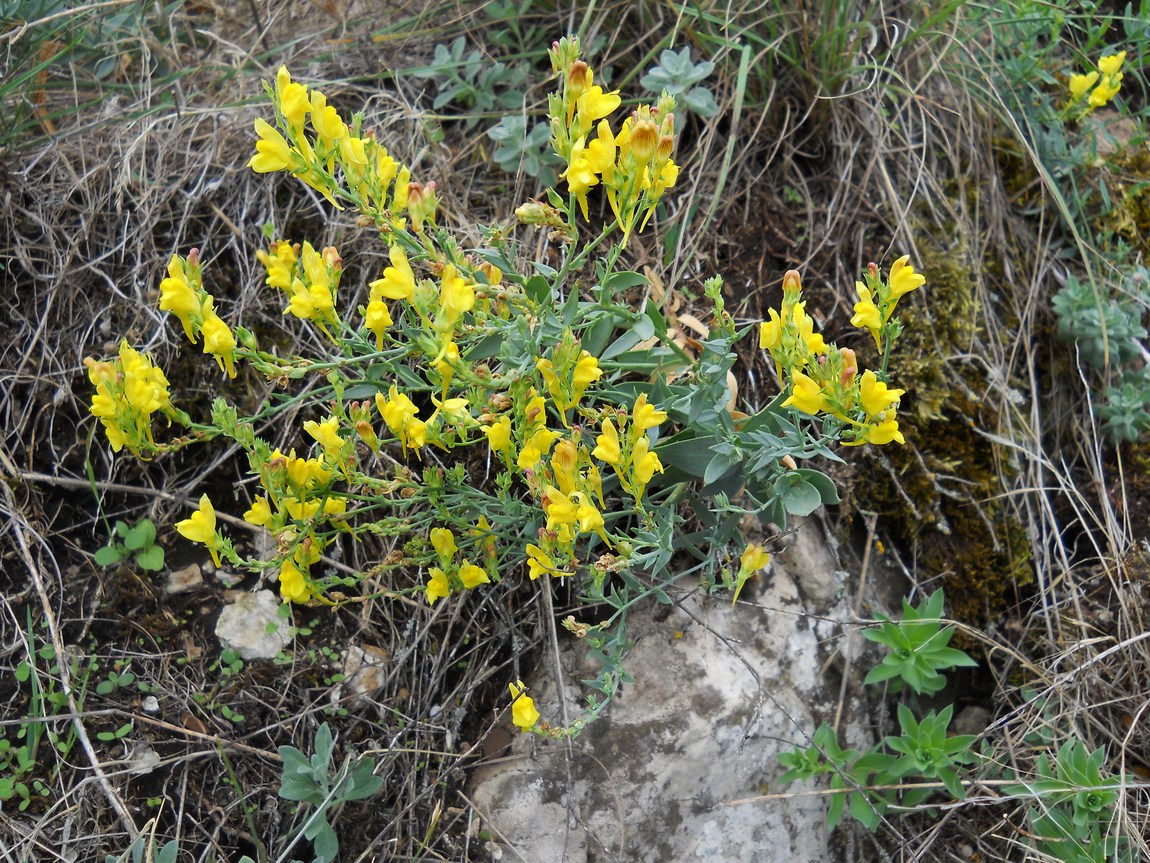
(364, 674)
(671, 770)
(811, 562)
(252, 627)
(184, 579)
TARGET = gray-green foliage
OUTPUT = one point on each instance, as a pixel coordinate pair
(146, 845)
(315, 782)
(1108, 333)
(516, 148)
(682, 78)
(470, 80)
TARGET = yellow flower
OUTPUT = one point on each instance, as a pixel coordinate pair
(398, 282)
(444, 542)
(753, 558)
(326, 121)
(396, 411)
(327, 434)
(471, 575)
(607, 445)
(272, 151)
(499, 434)
(875, 396)
(260, 512)
(292, 98)
(882, 433)
(560, 509)
(806, 395)
(771, 332)
(201, 527)
(536, 447)
(805, 326)
(540, 563)
(438, 587)
(218, 340)
(903, 278)
(644, 463)
(377, 319)
(1105, 91)
(178, 297)
(1111, 64)
(644, 416)
(564, 462)
(456, 295)
(293, 585)
(867, 315)
(594, 104)
(586, 372)
(523, 712)
(1079, 84)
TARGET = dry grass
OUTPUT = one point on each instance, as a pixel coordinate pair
(91, 216)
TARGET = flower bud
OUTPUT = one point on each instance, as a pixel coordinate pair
(665, 148)
(788, 462)
(850, 366)
(792, 282)
(872, 269)
(500, 402)
(332, 259)
(422, 203)
(579, 78)
(532, 213)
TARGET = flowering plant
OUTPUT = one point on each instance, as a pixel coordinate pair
(509, 427)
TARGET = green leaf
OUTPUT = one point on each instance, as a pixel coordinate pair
(625, 279)
(151, 559)
(825, 485)
(140, 536)
(538, 290)
(110, 555)
(799, 496)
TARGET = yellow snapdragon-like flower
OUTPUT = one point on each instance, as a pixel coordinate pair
(875, 396)
(326, 433)
(499, 435)
(903, 279)
(201, 527)
(644, 416)
(398, 282)
(523, 712)
(443, 541)
(1110, 64)
(867, 315)
(607, 446)
(471, 575)
(438, 585)
(806, 395)
(273, 153)
(540, 563)
(1080, 84)
(218, 340)
(753, 559)
(178, 297)
(293, 583)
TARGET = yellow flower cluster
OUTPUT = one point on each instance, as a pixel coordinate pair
(628, 448)
(182, 293)
(634, 165)
(1097, 87)
(825, 379)
(128, 390)
(367, 168)
(298, 500)
(450, 574)
(309, 278)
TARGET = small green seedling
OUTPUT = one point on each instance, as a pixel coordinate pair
(137, 542)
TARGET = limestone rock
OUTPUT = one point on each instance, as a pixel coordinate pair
(252, 627)
(672, 769)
